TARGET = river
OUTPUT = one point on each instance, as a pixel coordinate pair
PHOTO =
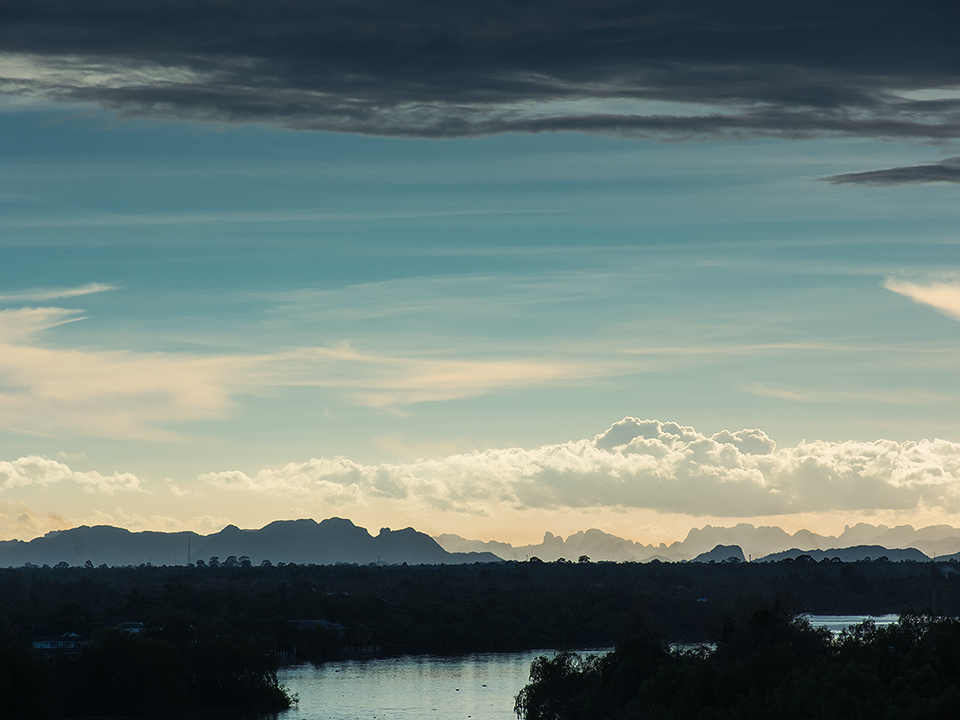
(463, 687)
(478, 687)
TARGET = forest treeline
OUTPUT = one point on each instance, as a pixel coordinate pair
(211, 631)
(767, 664)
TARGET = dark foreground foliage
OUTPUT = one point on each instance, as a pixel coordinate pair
(154, 674)
(767, 666)
(214, 635)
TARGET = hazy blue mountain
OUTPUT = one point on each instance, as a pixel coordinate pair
(455, 543)
(301, 541)
(595, 544)
(862, 534)
(755, 542)
(933, 541)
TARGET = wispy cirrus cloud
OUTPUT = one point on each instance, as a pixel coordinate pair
(101, 393)
(943, 295)
(945, 171)
(775, 392)
(390, 381)
(139, 219)
(114, 394)
(638, 464)
(48, 390)
(898, 397)
(19, 324)
(48, 294)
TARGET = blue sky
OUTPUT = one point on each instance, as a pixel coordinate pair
(194, 308)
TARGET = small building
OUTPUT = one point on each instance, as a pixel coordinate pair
(66, 644)
(131, 627)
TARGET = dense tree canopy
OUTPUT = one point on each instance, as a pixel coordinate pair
(766, 666)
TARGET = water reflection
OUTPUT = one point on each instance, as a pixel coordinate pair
(478, 687)
(465, 687)
(838, 623)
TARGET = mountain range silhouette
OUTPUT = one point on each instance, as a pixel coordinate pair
(766, 542)
(305, 541)
(338, 540)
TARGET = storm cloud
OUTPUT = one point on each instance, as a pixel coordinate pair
(420, 68)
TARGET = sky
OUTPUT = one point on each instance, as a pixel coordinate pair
(492, 268)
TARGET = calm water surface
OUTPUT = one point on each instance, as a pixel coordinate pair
(479, 687)
(474, 687)
(838, 623)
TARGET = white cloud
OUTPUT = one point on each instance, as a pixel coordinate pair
(45, 295)
(33, 471)
(943, 295)
(779, 393)
(639, 464)
(22, 324)
(135, 395)
(19, 521)
(109, 393)
(137, 522)
(380, 380)
(74, 457)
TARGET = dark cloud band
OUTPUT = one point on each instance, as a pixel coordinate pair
(440, 69)
(947, 171)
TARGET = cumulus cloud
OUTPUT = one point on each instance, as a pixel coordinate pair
(944, 295)
(34, 471)
(636, 464)
(693, 69)
(944, 171)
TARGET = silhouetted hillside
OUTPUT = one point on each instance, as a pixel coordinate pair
(721, 553)
(334, 540)
(338, 540)
(858, 553)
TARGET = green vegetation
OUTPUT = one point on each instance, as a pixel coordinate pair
(768, 666)
(214, 636)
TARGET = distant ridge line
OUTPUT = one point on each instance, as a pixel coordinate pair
(338, 540)
(304, 541)
(937, 541)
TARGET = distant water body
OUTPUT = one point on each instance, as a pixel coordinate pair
(837, 623)
(464, 687)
